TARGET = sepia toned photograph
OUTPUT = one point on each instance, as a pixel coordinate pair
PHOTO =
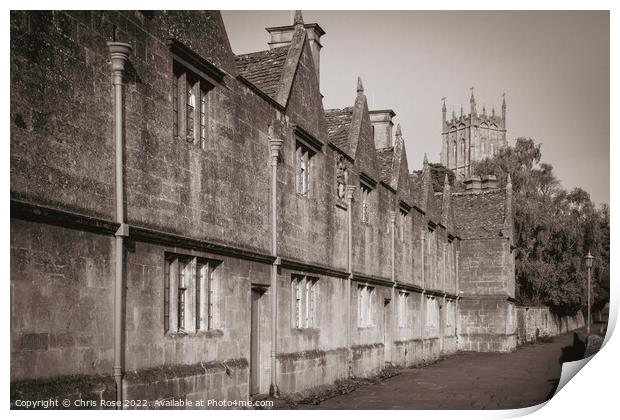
(306, 210)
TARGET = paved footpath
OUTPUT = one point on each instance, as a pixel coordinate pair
(523, 378)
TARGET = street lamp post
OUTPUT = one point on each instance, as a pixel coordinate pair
(589, 259)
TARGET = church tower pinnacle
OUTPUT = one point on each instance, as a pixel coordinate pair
(443, 111)
(360, 86)
(504, 109)
(298, 18)
(472, 137)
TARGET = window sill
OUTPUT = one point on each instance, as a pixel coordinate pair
(200, 333)
(189, 140)
(306, 333)
(306, 329)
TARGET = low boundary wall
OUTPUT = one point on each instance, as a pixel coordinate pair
(539, 321)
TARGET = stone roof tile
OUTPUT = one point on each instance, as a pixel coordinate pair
(263, 68)
(385, 158)
(338, 125)
(479, 215)
(438, 198)
(433, 207)
(415, 183)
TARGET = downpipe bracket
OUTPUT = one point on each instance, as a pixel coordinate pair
(123, 230)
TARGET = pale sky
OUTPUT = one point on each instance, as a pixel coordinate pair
(553, 67)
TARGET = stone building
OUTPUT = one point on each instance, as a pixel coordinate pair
(187, 222)
(472, 137)
(486, 266)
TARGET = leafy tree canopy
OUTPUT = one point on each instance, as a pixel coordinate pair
(438, 175)
(554, 230)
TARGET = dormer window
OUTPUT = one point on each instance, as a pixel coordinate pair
(190, 110)
(193, 91)
(303, 157)
(402, 217)
(366, 191)
(190, 103)
(342, 177)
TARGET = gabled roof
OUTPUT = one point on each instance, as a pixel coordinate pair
(438, 204)
(385, 158)
(400, 169)
(338, 125)
(415, 184)
(291, 64)
(361, 139)
(422, 192)
(444, 207)
(350, 130)
(447, 214)
(263, 69)
(479, 215)
(433, 208)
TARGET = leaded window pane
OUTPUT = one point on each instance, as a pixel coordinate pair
(189, 112)
(203, 119)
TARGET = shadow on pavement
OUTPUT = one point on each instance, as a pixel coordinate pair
(555, 383)
(571, 353)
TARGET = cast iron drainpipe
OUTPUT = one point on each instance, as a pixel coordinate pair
(274, 148)
(350, 190)
(393, 302)
(119, 53)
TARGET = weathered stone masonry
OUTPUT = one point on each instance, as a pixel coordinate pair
(360, 261)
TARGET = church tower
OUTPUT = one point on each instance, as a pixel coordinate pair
(472, 137)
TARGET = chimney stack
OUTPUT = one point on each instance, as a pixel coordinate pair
(282, 36)
(477, 184)
(473, 183)
(489, 182)
(381, 121)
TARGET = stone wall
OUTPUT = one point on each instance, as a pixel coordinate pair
(82, 391)
(487, 319)
(171, 185)
(309, 369)
(538, 321)
(487, 324)
(486, 267)
(61, 303)
(146, 344)
(220, 381)
(309, 357)
(368, 342)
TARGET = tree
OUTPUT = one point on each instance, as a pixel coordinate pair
(438, 174)
(554, 230)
